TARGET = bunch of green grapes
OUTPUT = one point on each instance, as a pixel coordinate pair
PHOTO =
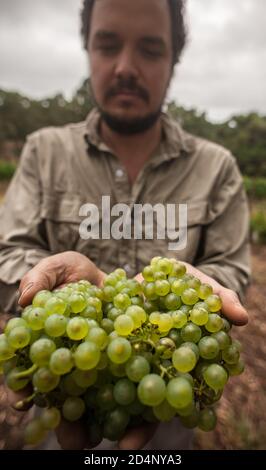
(123, 355)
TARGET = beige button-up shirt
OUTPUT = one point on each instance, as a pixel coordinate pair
(63, 168)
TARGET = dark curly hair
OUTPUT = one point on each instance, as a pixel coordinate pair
(179, 32)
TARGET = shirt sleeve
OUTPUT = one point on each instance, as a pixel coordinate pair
(224, 251)
(23, 240)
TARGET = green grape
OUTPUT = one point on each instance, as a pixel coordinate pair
(117, 370)
(120, 273)
(19, 337)
(124, 392)
(178, 269)
(14, 382)
(191, 333)
(107, 325)
(85, 378)
(114, 313)
(179, 393)
(124, 325)
(61, 361)
(204, 291)
(154, 318)
(207, 419)
(105, 397)
(164, 412)
(55, 325)
(231, 354)
(238, 345)
(184, 359)
(151, 390)
(192, 420)
(226, 325)
(92, 323)
(235, 369)
(136, 368)
(200, 368)
(149, 291)
(9, 364)
(69, 386)
(77, 302)
(175, 336)
(44, 380)
(165, 322)
(178, 286)
(223, 339)
(147, 274)
(41, 350)
(24, 313)
(113, 335)
(55, 305)
(214, 303)
(189, 296)
(13, 323)
(109, 292)
(98, 336)
(194, 283)
(137, 300)
(111, 279)
(116, 423)
(40, 299)
(87, 355)
(89, 312)
(159, 276)
(162, 288)
(122, 301)
(50, 418)
(77, 328)
(215, 376)
(137, 314)
(172, 301)
(73, 408)
(34, 432)
(193, 346)
(150, 306)
(199, 316)
(208, 347)
(119, 350)
(164, 265)
(186, 410)
(36, 318)
(96, 303)
(179, 318)
(215, 323)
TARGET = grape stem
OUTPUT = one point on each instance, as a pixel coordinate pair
(26, 373)
(21, 403)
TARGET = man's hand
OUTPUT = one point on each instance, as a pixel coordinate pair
(57, 270)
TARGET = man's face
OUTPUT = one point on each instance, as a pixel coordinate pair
(130, 51)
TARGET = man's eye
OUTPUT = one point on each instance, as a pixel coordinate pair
(108, 49)
(151, 53)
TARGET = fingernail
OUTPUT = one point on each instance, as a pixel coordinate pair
(28, 287)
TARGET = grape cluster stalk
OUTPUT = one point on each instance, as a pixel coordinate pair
(121, 355)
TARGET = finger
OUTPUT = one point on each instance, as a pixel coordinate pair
(33, 282)
(232, 308)
(137, 438)
(139, 278)
(71, 436)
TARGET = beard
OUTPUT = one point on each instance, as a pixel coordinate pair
(130, 126)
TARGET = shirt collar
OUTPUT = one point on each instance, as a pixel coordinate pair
(175, 142)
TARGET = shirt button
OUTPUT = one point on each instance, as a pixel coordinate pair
(119, 173)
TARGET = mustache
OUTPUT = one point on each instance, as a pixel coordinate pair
(127, 86)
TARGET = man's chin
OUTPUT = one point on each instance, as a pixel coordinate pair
(125, 124)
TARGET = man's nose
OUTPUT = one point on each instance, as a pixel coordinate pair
(126, 66)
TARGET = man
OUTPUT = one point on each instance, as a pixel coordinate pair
(127, 149)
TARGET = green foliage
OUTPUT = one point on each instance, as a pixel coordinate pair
(255, 187)
(258, 226)
(6, 170)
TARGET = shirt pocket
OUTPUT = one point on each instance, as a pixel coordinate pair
(180, 242)
(60, 216)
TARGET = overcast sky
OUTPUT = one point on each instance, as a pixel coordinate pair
(223, 70)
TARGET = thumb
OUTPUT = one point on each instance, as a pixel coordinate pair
(34, 281)
(232, 308)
